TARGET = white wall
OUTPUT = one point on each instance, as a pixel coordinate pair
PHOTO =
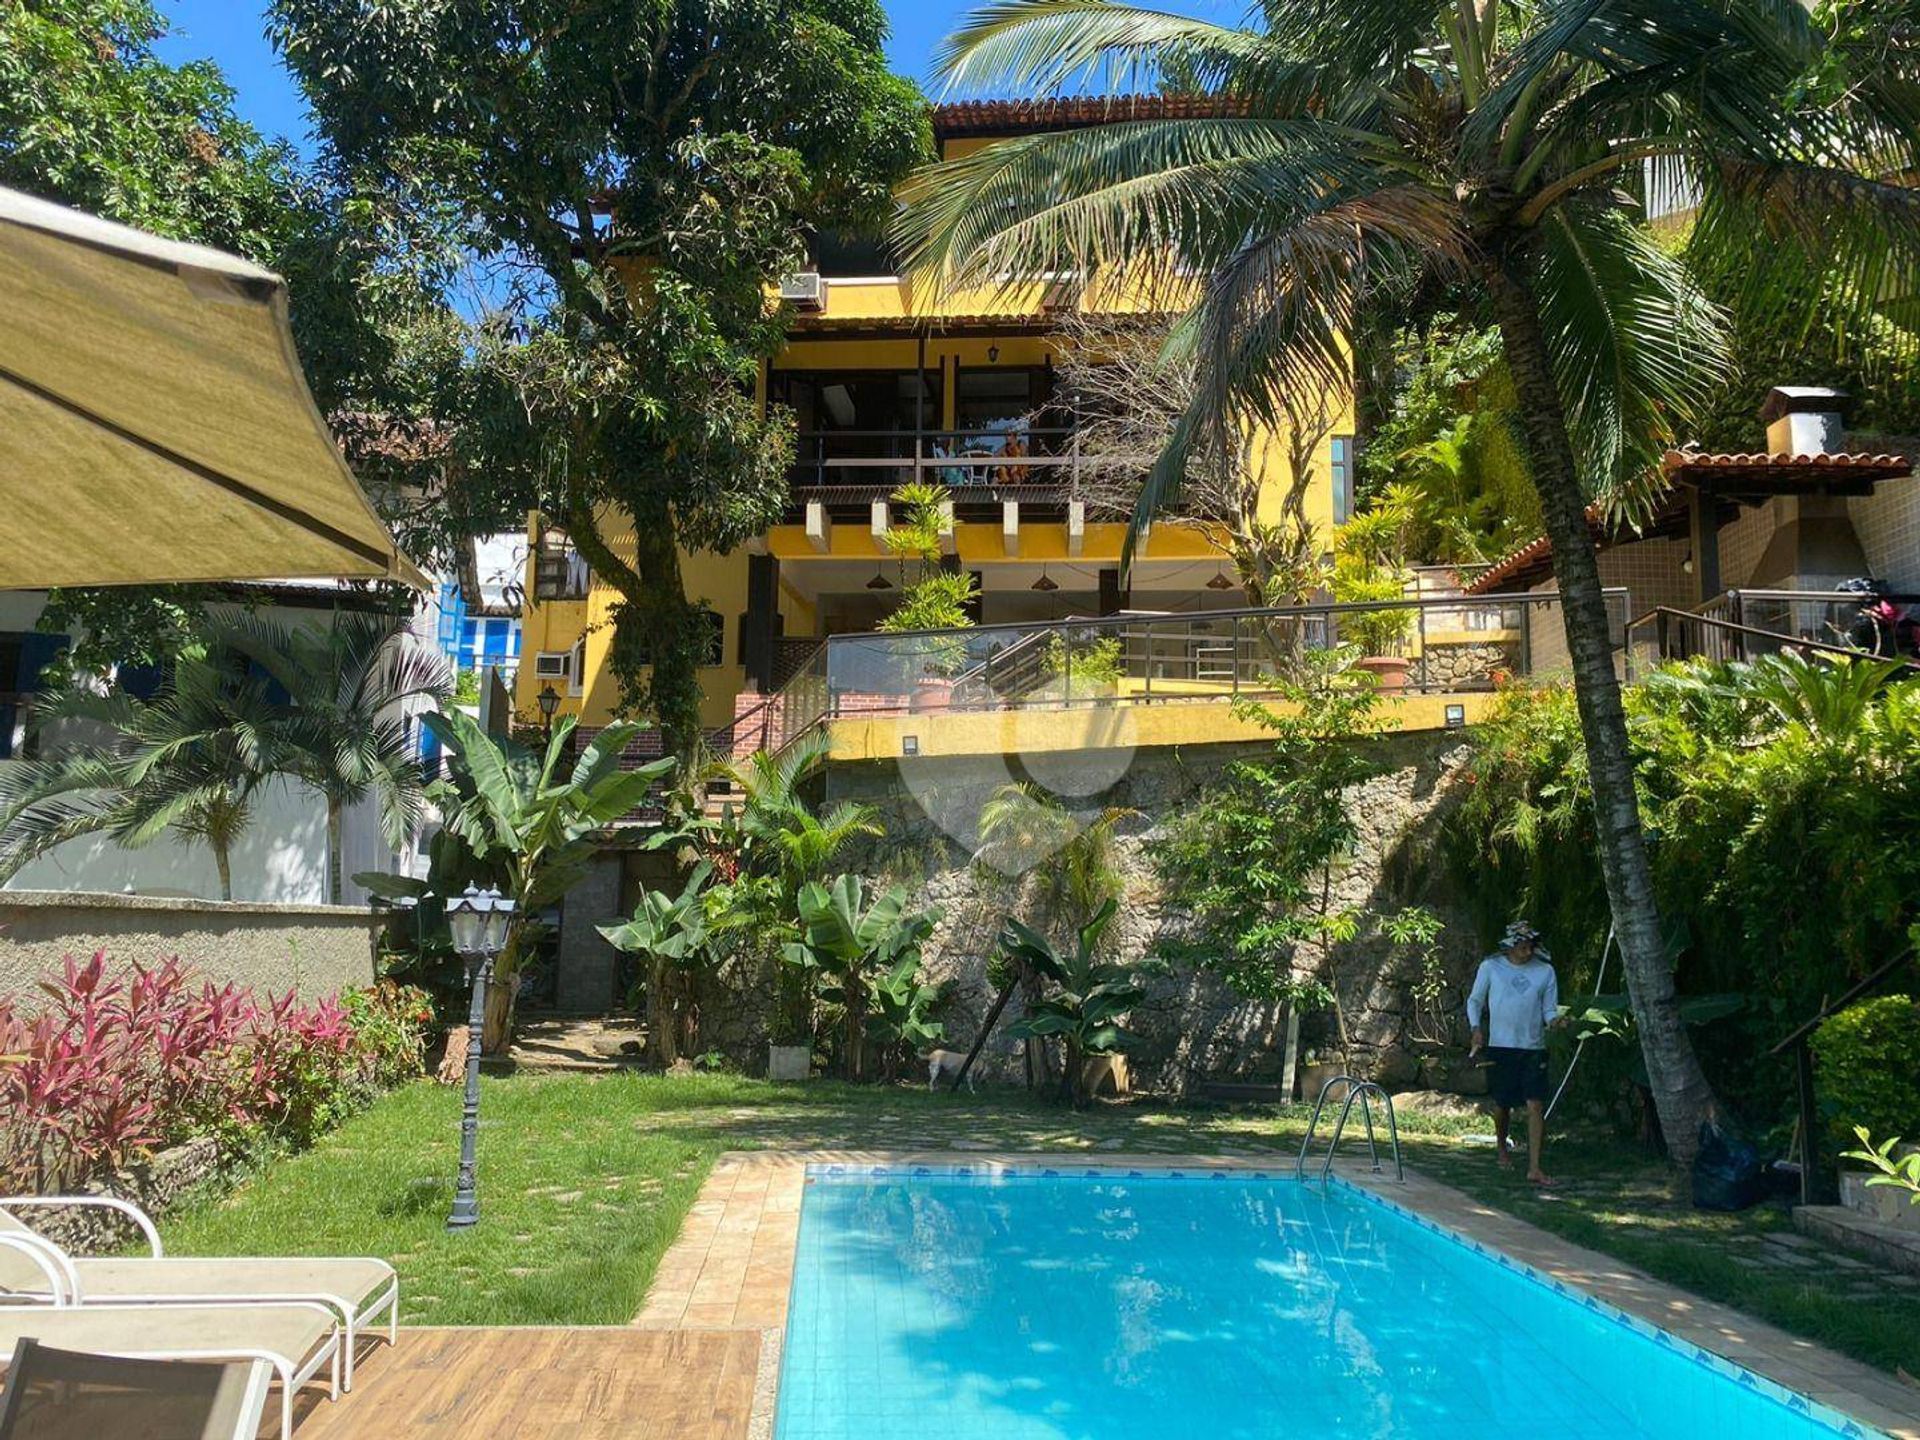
(281, 859)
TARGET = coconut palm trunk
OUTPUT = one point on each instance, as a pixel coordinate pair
(1680, 1088)
(223, 864)
(336, 885)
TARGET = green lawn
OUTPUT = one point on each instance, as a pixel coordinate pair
(584, 1181)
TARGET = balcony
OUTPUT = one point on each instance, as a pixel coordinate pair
(851, 469)
(1152, 667)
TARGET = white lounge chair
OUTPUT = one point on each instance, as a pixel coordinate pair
(296, 1340)
(358, 1290)
(67, 1395)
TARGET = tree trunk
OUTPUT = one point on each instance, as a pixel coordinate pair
(653, 626)
(1680, 1088)
(498, 1029)
(223, 863)
(336, 889)
(663, 1025)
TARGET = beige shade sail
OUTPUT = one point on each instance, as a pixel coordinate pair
(155, 425)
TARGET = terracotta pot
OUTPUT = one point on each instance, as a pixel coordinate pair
(1389, 671)
(932, 692)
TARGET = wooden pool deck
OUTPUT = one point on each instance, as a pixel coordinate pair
(607, 1383)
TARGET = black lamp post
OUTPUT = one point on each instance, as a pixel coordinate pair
(478, 920)
(549, 701)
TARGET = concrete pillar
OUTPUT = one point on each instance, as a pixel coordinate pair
(761, 625)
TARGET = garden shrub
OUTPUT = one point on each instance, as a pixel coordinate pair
(1779, 818)
(1867, 1065)
(112, 1068)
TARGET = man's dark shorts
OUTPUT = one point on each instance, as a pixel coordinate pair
(1517, 1076)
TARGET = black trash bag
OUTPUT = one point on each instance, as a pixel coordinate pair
(1727, 1174)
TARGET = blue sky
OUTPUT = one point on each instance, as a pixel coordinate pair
(231, 33)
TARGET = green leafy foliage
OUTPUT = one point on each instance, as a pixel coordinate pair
(629, 181)
(350, 685)
(1902, 1172)
(850, 948)
(1026, 831)
(672, 935)
(1370, 563)
(1085, 999)
(1864, 1065)
(190, 761)
(1778, 800)
(522, 810)
(1448, 436)
(1252, 860)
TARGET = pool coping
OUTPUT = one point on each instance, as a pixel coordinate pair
(731, 1267)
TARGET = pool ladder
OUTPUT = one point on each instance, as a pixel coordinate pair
(1361, 1090)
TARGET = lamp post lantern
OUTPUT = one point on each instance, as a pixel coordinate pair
(549, 701)
(478, 920)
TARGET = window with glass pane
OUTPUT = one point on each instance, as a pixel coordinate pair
(1341, 468)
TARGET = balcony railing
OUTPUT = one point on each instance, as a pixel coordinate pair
(1039, 464)
(1450, 645)
(1743, 625)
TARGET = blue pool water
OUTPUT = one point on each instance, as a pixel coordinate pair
(935, 1306)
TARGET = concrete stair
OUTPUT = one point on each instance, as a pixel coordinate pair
(1876, 1222)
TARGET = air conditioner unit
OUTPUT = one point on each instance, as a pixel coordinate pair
(553, 665)
(804, 288)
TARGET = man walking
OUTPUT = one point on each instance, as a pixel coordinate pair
(1515, 997)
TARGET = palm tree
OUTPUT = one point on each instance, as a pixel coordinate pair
(350, 686)
(785, 846)
(520, 812)
(784, 836)
(190, 760)
(1496, 143)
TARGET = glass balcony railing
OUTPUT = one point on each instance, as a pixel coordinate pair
(1445, 645)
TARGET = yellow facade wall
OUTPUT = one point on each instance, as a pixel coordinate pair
(904, 313)
(1098, 727)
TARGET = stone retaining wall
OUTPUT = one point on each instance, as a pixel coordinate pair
(1192, 1028)
(154, 1185)
(314, 950)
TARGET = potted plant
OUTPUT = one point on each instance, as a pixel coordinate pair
(934, 599)
(1086, 999)
(1369, 567)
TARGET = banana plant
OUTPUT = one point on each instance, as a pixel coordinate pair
(1088, 999)
(671, 934)
(901, 1021)
(846, 945)
(519, 808)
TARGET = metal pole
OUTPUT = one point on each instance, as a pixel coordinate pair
(466, 1204)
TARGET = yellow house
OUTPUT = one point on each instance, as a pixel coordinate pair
(891, 382)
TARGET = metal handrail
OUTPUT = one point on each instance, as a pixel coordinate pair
(1361, 1090)
(1741, 633)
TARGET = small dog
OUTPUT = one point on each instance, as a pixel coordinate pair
(943, 1063)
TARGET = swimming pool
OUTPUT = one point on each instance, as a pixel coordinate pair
(1053, 1305)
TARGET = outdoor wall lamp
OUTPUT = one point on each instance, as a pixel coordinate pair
(549, 701)
(478, 920)
(993, 354)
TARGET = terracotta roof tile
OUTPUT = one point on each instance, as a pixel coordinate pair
(1681, 460)
(1005, 117)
